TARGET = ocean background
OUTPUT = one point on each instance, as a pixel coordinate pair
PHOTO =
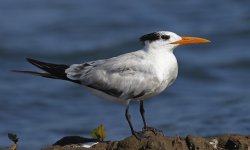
(210, 96)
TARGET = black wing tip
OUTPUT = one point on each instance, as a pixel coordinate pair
(18, 71)
(29, 59)
(21, 71)
(55, 71)
(32, 61)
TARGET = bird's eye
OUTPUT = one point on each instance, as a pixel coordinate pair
(165, 37)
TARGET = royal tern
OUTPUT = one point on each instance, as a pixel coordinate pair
(137, 75)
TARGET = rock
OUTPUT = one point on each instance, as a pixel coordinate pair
(12, 147)
(198, 143)
(234, 142)
(160, 142)
(74, 140)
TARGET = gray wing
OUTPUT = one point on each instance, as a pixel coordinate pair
(127, 76)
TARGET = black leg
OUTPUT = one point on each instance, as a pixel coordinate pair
(128, 117)
(146, 128)
(142, 111)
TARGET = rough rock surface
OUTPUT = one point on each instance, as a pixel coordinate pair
(160, 142)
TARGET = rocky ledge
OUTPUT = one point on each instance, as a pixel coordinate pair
(153, 141)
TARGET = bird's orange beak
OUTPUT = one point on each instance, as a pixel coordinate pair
(190, 40)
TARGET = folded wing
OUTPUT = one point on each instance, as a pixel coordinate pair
(128, 76)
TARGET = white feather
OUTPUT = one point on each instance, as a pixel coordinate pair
(132, 76)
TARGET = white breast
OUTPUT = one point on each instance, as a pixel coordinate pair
(166, 69)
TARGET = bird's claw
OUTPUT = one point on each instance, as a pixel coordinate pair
(154, 130)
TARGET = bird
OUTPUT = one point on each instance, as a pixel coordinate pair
(133, 76)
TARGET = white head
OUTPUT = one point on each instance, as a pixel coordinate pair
(168, 40)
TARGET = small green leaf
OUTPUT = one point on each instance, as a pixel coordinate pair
(13, 137)
(93, 134)
(99, 133)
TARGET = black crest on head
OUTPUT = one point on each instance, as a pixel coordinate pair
(150, 37)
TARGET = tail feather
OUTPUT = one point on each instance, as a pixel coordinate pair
(54, 71)
(42, 74)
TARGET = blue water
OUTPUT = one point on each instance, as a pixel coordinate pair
(210, 96)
